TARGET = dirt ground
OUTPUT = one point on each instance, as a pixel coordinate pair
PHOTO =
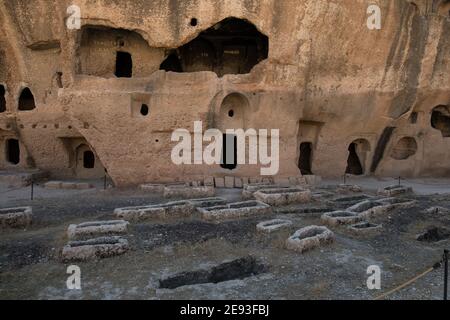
(31, 268)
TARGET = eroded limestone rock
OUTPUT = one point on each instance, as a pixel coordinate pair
(20, 217)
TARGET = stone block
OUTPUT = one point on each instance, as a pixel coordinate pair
(97, 248)
(283, 196)
(96, 229)
(309, 238)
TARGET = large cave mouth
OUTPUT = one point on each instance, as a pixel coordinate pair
(232, 46)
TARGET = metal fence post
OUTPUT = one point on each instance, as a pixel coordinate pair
(445, 274)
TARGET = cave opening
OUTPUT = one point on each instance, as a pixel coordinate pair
(13, 151)
(124, 65)
(440, 120)
(232, 46)
(26, 100)
(305, 159)
(229, 152)
(88, 159)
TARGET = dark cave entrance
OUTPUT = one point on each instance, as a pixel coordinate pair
(305, 159)
(354, 165)
(124, 65)
(232, 46)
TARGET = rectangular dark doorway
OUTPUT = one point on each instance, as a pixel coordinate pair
(305, 159)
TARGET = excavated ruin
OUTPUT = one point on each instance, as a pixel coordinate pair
(338, 218)
(283, 196)
(97, 229)
(393, 191)
(16, 217)
(434, 234)
(97, 248)
(230, 270)
(174, 209)
(310, 238)
(273, 225)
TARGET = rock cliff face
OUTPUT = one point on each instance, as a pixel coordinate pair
(110, 94)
